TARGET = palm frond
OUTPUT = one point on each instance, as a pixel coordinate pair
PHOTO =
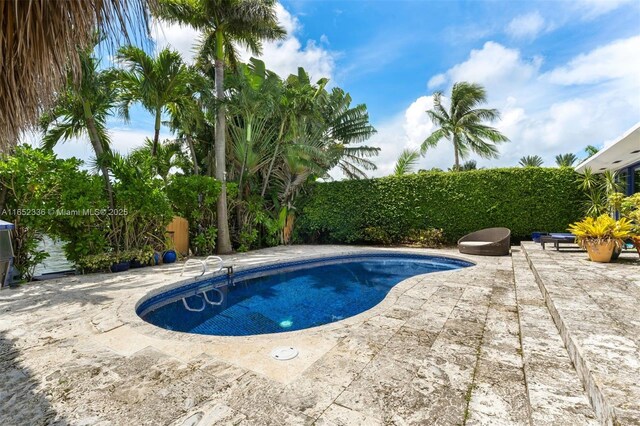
(406, 162)
(39, 45)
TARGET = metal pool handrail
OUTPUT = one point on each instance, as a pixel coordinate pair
(186, 306)
(216, 258)
(204, 266)
(214, 303)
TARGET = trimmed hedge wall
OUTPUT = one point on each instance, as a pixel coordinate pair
(521, 199)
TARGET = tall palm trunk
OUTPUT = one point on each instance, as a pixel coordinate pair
(224, 242)
(98, 148)
(456, 164)
(194, 158)
(273, 160)
(156, 132)
(242, 172)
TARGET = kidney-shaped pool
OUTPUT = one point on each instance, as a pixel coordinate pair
(287, 296)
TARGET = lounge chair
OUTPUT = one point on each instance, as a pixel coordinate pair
(486, 242)
(556, 239)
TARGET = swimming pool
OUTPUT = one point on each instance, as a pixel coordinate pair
(287, 296)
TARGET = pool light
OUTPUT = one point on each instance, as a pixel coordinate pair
(286, 323)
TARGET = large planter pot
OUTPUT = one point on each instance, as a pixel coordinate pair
(600, 252)
(135, 263)
(617, 250)
(169, 256)
(120, 267)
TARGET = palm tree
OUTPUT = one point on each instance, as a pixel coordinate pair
(469, 165)
(463, 124)
(406, 162)
(39, 45)
(299, 100)
(346, 125)
(591, 150)
(531, 161)
(168, 155)
(566, 160)
(82, 109)
(225, 23)
(159, 83)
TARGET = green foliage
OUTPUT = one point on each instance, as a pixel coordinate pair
(194, 198)
(204, 242)
(566, 160)
(96, 262)
(531, 161)
(406, 162)
(143, 210)
(35, 189)
(246, 239)
(430, 237)
(524, 200)
(464, 123)
(598, 187)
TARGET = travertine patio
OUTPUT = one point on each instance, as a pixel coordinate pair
(476, 346)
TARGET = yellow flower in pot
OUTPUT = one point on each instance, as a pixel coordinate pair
(599, 236)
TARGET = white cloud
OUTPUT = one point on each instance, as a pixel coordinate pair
(284, 57)
(526, 26)
(436, 81)
(178, 37)
(542, 113)
(615, 60)
(591, 9)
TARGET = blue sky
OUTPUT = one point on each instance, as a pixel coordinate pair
(564, 74)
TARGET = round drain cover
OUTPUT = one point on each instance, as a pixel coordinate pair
(284, 353)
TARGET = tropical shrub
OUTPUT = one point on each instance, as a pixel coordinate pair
(431, 238)
(143, 210)
(204, 241)
(521, 199)
(34, 195)
(86, 229)
(96, 262)
(194, 198)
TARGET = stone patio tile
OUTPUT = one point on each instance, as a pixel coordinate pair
(438, 392)
(409, 345)
(556, 394)
(364, 342)
(439, 348)
(335, 368)
(310, 397)
(379, 389)
(337, 415)
(499, 395)
(211, 413)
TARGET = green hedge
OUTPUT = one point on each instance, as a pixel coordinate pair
(521, 199)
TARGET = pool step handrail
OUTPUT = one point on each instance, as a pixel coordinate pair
(204, 266)
(190, 309)
(217, 290)
(217, 259)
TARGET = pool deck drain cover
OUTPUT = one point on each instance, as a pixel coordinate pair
(284, 353)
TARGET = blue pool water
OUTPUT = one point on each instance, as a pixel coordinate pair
(287, 297)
